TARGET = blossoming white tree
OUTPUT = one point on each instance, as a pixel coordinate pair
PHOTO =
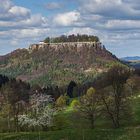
(41, 114)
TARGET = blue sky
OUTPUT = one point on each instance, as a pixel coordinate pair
(116, 22)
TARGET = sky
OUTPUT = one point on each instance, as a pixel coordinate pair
(115, 22)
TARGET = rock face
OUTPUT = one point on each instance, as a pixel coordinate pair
(57, 63)
(81, 50)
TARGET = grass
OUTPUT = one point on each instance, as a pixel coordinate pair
(75, 134)
(136, 110)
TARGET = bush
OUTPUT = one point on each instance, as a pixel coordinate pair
(61, 101)
(74, 103)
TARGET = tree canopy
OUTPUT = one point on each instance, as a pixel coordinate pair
(72, 38)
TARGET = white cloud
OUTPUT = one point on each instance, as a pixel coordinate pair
(67, 19)
(110, 15)
(31, 33)
(5, 5)
(25, 33)
(19, 27)
(53, 5)
(19, 19)
(110, 8)
(10, 12)
(18, 11)
(16, 16)
(86, 30)
(123, 24)
(35, 21)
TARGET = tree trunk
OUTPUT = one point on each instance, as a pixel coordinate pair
(8, 122)
(92, 123)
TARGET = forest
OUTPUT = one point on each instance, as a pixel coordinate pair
(106, 106)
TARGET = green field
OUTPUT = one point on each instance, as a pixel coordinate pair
(83, 134)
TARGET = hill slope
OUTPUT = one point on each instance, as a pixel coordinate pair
(57, 63)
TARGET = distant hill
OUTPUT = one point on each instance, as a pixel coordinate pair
(131, 58)
(134, 64)
(132, 61)
(58, 63)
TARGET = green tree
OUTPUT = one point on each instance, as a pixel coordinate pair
(75, 103)
(61, 102)
(5, 115)
(90, 106)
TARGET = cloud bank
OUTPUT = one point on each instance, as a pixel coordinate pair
(114, 21)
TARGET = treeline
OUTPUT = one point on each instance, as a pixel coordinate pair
(72, 38)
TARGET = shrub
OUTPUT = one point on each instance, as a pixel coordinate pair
(75, 103)
(61, 101)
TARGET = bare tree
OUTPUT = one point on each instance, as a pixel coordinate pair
(115, 99)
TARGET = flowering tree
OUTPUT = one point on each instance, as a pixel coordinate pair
(41, 112)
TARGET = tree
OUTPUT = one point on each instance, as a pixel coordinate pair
(115, 99)
(133, 84)
(16, 94)
(70, 87)
(90, 106)
(61, 102)
(41, 112)
(47, 40)
(5, 115)
(72, 38)
(3, 80)
(75, 103)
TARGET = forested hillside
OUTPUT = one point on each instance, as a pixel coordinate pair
(58, 64)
